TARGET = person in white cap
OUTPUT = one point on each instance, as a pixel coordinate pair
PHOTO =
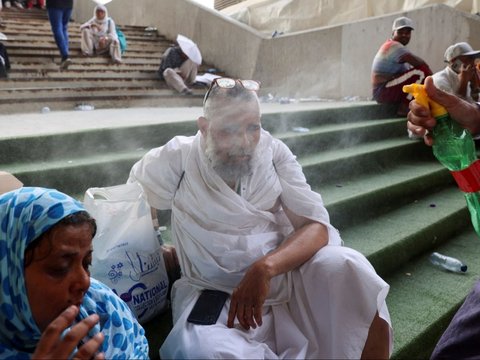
(460, 75)
(178, 70)
(394, 66)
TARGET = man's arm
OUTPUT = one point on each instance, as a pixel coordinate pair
(412, 59)
(249, 296)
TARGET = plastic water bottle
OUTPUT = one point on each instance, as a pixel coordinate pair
(448, 263)
(455, 149)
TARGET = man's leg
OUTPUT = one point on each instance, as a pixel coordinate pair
(55, 16)
(86, 42)
(190, 341)
(338, 302)
(376, 346)
(174, 80)
(188, 71)
(115, 52)
(66, 13)
(393, 90)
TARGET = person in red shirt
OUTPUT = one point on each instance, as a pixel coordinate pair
(394, 66)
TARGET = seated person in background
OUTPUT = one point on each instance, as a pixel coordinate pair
(39, 3)
(178, 70)
(245, 221)
(460, 340)
(46, 249)
(99, 35)
(17, 3)
(394, 66)
(460, 75)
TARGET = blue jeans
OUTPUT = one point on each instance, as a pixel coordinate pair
(59, 19)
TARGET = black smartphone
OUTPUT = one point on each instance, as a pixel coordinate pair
(208, 307)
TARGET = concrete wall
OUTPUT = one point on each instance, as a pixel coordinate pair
(332, 62)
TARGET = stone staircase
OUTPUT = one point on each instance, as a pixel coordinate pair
(388, 196)
(35, 80)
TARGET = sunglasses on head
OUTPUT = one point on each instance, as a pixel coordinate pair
(228, 83)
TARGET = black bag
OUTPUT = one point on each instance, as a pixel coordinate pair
(4, 61)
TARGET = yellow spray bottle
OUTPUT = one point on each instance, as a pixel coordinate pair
(454, 147)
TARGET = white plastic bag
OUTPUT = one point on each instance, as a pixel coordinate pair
(127, 256)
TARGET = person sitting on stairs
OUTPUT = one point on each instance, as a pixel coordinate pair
(246, 222)
(39, 3)
(17, 3)
(394, 66)
(178, 71)
(99, 35)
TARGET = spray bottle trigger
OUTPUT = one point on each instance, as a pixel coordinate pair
(420, 94)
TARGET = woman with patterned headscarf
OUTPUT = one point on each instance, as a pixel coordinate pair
(99, 35)
(50, 307)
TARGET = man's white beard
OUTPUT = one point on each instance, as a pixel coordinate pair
(229, 172)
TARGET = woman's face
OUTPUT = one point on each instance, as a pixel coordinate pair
(100, 14)
(58, 274)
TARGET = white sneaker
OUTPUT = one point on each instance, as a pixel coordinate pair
(19, 5)
(7, 4)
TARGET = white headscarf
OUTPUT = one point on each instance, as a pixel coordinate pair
(102, 24)
(95, 19)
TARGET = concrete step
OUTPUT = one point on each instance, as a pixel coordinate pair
(79, 92)
(354, 200)
(40, 83)
(81, 143)
(40, 47)
(410, 229)
(105, 102)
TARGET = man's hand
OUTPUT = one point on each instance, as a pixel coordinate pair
(467, 72)
(248, 298)
(421, 121)
(53, 346)
(171, 262)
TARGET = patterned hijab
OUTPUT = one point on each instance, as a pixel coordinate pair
(25, 214)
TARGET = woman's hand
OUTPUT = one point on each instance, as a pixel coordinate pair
(53, 346)
(102, 43)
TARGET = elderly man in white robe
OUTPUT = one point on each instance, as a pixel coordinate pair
(245, 221)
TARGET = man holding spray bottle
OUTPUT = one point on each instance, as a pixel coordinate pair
(460, 340)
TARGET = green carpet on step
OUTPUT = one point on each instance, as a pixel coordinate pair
(423, 297)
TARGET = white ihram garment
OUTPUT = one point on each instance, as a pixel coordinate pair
(323, 309)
